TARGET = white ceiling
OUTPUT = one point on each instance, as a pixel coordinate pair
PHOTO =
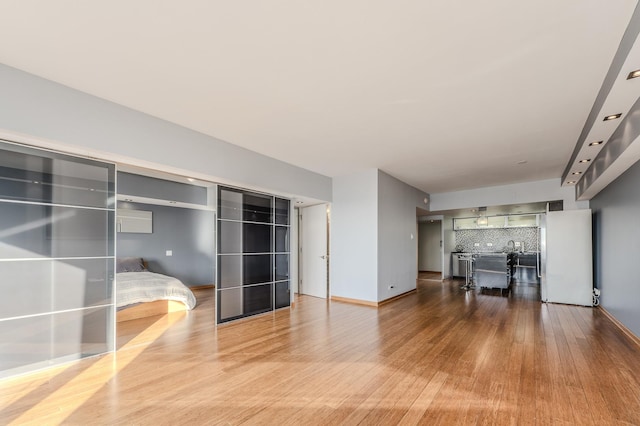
(443, 95)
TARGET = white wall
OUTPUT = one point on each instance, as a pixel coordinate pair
(354, 229)
(40, 112)
(448, 245)
(397, 235)
(527, 192)
(429, 249)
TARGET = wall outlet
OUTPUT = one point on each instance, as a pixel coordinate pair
(169, 253)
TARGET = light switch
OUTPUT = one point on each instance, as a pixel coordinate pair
(169, 252)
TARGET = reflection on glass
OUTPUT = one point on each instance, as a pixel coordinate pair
(57, 225)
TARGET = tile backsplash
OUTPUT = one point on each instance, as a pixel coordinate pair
(498, 237)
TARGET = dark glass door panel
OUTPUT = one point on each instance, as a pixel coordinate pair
(42, 286)
(256, 238)
(230, 271)
(282, 211)
(283, 295)
(257, 269)
(258, 299)
(282, 267)
(282, 239)
(257, 208)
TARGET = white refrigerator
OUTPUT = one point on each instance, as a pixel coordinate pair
(567, 259)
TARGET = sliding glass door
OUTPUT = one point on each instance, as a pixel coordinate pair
(253, 254)
(57, 216)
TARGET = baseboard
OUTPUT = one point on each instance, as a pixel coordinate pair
(354, 301)
(635, 339)
(432, 272)
(202, 287)
(391, 299)
(369, 303)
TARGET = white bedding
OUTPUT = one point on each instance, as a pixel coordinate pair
(137, 287)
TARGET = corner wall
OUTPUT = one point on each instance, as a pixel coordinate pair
(373, 236)
(616, 245)
(397, 236)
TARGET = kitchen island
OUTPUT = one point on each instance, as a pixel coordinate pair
(493, 270)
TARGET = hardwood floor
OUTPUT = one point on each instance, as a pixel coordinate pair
(438, 356)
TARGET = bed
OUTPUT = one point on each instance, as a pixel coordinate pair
(141, 293)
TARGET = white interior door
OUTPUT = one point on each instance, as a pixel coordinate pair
(314, 251)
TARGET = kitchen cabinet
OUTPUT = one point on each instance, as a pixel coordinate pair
(492, 222)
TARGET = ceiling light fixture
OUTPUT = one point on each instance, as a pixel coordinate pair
(633, 74)
(172, 202)
(576, 173)
(571, 182)
(596, 143)
(612, 117)
(586, 160)
(522, 162)
(191, 179)
(299, 202)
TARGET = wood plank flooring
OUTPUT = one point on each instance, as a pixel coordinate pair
(439, 356)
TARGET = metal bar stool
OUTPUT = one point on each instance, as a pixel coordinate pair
(468, 276)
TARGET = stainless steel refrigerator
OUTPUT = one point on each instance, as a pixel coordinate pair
(566, 257)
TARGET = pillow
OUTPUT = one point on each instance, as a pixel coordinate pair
(130, 264)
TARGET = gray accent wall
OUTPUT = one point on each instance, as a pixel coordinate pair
(188, 233)
(616, 235)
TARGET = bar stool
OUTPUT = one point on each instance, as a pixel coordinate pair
(468, 276)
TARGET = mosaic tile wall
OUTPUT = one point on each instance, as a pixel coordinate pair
(498, 237)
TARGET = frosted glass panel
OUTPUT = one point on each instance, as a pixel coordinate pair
(36, 342)
(230, 303)
(57, 228)
(230, 204)
(230, 237)
(230, 269)
(31, 175)
(54, 285)
(36, 231)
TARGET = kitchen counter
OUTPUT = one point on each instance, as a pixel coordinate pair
(494, 270)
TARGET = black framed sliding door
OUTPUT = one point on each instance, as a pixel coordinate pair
(253, 254)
